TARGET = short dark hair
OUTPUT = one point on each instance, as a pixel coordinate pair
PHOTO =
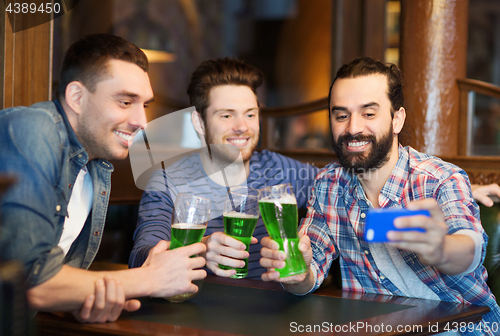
(220, 71)
(366, 66)
(86, 60)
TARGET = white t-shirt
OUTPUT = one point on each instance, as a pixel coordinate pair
(79, 207)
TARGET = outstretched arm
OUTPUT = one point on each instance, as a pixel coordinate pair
(450, 254)
(165, 273)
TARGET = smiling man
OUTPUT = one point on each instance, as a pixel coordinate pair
(226, 119)
(367, 114)
(53, 218)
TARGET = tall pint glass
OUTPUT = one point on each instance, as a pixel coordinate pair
(190, 219)
(241, 213)
(278, 208)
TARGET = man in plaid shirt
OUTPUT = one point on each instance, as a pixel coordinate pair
(374, 171)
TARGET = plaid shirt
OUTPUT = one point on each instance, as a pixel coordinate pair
(335, 224)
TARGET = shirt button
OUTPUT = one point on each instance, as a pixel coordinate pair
(367, 252)
(58, 208)
(103, 193)
(382, 277)
(363, 215)
(96, 233)
(69, 185)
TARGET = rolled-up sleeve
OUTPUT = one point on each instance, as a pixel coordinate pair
(461, 212)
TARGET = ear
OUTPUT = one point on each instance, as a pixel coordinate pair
(74, 96)
(398, 120)
(198, 124)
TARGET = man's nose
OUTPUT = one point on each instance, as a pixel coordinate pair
(138, 118)
(240, 125)
(355, 125)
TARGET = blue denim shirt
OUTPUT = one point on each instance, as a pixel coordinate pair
(38, 145)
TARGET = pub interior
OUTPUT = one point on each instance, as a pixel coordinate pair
(448, 51)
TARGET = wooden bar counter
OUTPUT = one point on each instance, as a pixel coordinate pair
(249, 307)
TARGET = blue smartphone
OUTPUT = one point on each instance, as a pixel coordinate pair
(379, 221)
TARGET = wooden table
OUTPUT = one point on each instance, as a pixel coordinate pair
(249, 307)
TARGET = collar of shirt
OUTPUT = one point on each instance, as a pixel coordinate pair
(76, 147)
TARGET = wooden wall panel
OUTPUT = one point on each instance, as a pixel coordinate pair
(358, 29)
(27, 59)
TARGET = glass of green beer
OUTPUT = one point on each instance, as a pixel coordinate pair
(241, 213)
(278, 208)
(190, 219)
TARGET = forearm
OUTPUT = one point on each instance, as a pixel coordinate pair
(458, 254)
(68, 289)
(304, 286)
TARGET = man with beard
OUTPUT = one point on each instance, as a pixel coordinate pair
(223, 92)
(367, 113)
(53, 217)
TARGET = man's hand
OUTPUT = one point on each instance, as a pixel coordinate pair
(272, 258)
(106, 304)
(225, 250)
(429, 245)
(451, 254)
(481, 193)
(172, 271)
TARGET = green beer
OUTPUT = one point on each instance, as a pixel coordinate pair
(281, 219)
(184, 234)
(239, 226)
(189, 222)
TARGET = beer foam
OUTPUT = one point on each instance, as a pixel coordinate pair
(185, 226)
(235, 214)
(285, 199)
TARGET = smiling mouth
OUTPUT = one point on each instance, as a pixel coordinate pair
(355, 144)
(124, 136)
(238, 142)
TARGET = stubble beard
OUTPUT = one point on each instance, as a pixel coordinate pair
(95, 145)
(226, 153)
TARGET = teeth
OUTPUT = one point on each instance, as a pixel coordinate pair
(124, 136)
(238, 141)
(357, 143)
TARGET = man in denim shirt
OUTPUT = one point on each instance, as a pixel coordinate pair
(54, 216)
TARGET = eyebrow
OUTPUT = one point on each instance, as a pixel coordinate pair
(364, 106)
(338, 108)
(233, 110)
(131, 95)
(371, 104)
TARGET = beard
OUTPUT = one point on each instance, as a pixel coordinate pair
(360, 163)
(227, 153)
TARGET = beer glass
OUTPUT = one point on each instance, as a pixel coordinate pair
(241, 213)
(278, 208)
(190, 219)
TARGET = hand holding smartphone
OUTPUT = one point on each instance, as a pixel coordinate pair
(379, 221)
